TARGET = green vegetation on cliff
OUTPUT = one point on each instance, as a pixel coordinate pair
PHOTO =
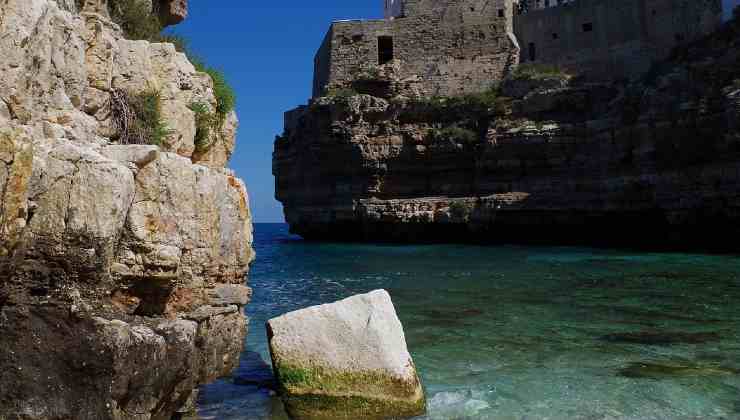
(139, 22)
(537, 71)
(138, 117)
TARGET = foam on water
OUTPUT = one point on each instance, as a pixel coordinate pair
(518, 332)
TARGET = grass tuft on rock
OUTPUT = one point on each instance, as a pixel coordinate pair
(455, 134)
(473, 106)
(206, 122)
(460, 209)
(139, 22)
(537, 71)
(136, 19)
(225, 95)
(138, 117)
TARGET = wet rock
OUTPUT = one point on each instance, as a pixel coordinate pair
(345, 360)
(661, 371)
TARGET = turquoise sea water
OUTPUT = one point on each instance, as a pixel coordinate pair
(518, 332)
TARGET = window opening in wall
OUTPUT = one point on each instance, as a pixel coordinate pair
(357, 38)
(385, 49)
(500, 12)
(588, 27)
(680, 38)
(532, 52)
(555, 36)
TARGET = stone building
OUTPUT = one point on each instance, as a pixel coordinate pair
(463, 46)
(607, 38)
(454, 46)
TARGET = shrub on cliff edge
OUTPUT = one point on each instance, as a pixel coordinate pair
(136, 19)
(455, 134)
(138, 118)
(138, 22)
(205, 123)
(225, 95)
(537, 71)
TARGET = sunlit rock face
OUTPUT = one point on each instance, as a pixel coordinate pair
(346, 359)
(173, 12)
(122, 267)
(551, 158)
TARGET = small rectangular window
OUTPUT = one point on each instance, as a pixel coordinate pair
(555, 36)
(588, 27)
(680, 38)
(532, 52)
(500, 12)
(385, 49)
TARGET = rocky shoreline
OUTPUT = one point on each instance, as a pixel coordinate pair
(545, 158)
(122, 265)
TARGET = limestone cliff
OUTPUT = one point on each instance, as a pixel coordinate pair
(121, 265)
(545, 157)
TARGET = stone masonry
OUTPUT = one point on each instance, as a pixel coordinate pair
(454, 47)
(464, 46)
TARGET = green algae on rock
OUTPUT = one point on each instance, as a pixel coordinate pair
(345, 360)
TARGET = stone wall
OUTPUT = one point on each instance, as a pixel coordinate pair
(557, 159)
(453, 47)
(607, 38)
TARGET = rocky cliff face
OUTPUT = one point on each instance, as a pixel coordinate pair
(121, 266)
(548, 157)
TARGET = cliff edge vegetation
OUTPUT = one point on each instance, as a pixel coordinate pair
(124, 239)
(542, 156)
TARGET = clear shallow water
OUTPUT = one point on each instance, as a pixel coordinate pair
(518, 332)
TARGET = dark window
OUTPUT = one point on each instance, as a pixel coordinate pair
(588, 27)
(385, 49)
(680, 38)
(357, 38)
(532, 52)
(500, 12)
(655, 12)
(555, 36)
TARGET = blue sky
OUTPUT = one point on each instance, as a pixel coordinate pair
(266, 50)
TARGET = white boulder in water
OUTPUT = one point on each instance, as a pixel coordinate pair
(345, 360)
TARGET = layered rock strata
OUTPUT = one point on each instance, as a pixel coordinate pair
(345, 360)
(121, 266)
(551, 158)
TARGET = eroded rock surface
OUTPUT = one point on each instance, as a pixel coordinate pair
(554, 159)
(122, 267)
(345, 360)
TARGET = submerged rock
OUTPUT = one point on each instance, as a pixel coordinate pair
(345, 360)
(661, 338)
(660, 371)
